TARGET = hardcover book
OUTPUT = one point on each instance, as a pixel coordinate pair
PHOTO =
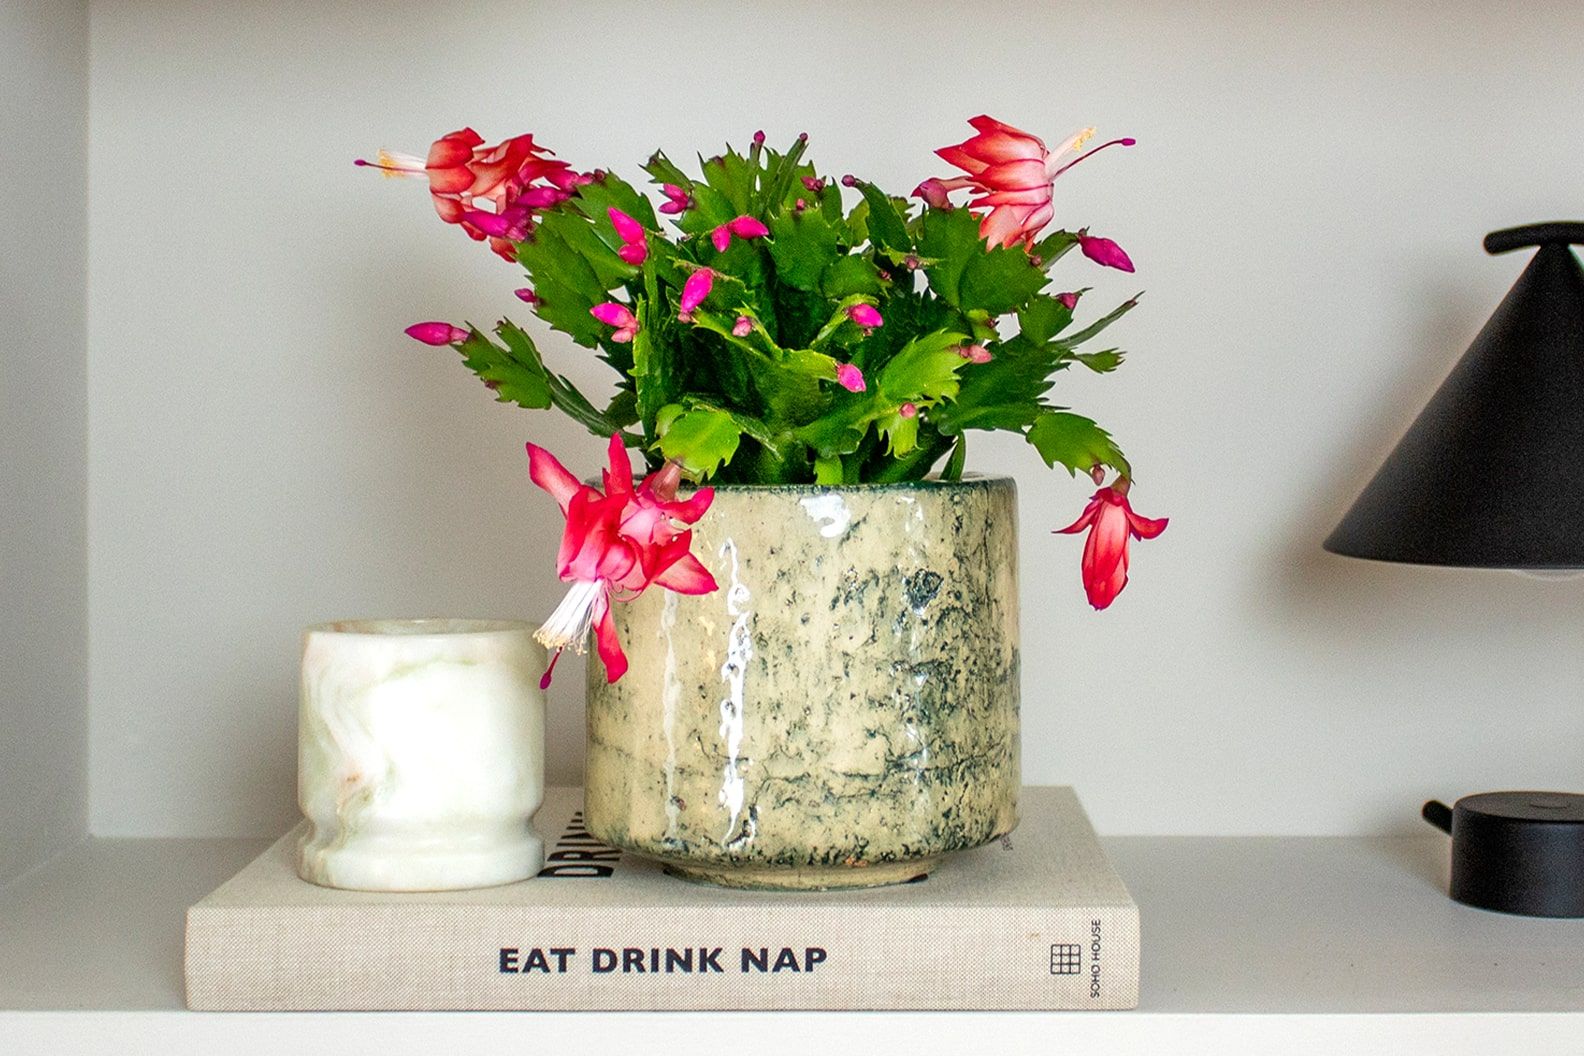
(1038, 920)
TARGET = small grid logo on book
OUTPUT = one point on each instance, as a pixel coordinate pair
(1066, 958)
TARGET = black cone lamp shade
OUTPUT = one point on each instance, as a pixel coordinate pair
(1491, 473)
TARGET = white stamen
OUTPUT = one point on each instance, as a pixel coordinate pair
(568, 626)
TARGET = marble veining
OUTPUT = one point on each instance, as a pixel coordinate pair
(842, 712)
(420, 754)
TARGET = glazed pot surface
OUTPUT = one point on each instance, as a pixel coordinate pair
(842, 712)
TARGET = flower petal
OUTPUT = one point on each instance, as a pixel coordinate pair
(605, 640)
(619, 477)
(546, 471)
(687, 576)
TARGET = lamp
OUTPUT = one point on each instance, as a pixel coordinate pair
(1491, 475)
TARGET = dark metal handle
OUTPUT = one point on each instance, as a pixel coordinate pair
(1438, 814)
(1567, 232)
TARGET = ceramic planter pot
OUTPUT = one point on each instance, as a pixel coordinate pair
(842, 712)
(420, 754)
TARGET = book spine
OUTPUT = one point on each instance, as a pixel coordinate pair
(854, 957)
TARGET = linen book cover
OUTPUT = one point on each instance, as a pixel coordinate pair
(1039, 920)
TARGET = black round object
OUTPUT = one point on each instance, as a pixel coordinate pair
(1516, 852)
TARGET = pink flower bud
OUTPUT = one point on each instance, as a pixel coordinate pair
(933, 192)
(908, 410)
(850, 378)
(437, 333)
(1097, 473)
(721, 237)
(748, 227)
(627, 229)
(542, 197)
(1068, 300)
(613, 313)
(866, 316)
(1105, 252)
(527, 295)
(974, 353)
(849, 180)
(678, 200)
(800, 206)
(814, 183)
(743, 327)
(634, 254)
(695, 290)
(759, 138)
(912, 262)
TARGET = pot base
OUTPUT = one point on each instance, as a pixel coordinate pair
(809, 878)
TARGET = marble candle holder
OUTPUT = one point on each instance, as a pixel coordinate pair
(420, 754)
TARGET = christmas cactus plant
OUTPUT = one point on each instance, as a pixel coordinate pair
(769, 324)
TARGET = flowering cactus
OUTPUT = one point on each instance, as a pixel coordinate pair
(767, 326)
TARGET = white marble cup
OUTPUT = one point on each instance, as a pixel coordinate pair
(420, 754)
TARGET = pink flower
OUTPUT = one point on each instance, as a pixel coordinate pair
(462, 172)
(866, 316)
(1068, 300)
(974, 353)
(437, 333)
(1104, 251)
(742, 327)
(615, 546)
(678, 200)
(614, 313)
(742, 227)
(526, 295)
(1111, 522)
(1012, 173)
(850, 378)
(694, 292)
(635, 249)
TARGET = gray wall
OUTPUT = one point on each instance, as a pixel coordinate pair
(1305, 207)
(43, 429)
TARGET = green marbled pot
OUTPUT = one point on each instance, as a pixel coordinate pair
(842, 712)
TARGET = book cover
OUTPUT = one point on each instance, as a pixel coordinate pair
(1039, 920)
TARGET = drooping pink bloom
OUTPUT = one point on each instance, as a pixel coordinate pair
(1012, 173)
(635, 245)
(742, 327)
(614, 313)
(850, 378)
(1111, 523)
(677, 200)
(1068, 300)
(974, 353)
(526, 295)
(866, 316)
(694, 292)
(742, 226)
(1104, 251)
(616, 545)
(436, 333)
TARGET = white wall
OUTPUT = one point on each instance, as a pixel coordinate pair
(43, 430)
(1305, 207)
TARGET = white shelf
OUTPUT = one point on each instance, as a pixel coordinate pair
(1319, 942)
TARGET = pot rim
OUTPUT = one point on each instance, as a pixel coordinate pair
(971, 480)
(410, 627)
